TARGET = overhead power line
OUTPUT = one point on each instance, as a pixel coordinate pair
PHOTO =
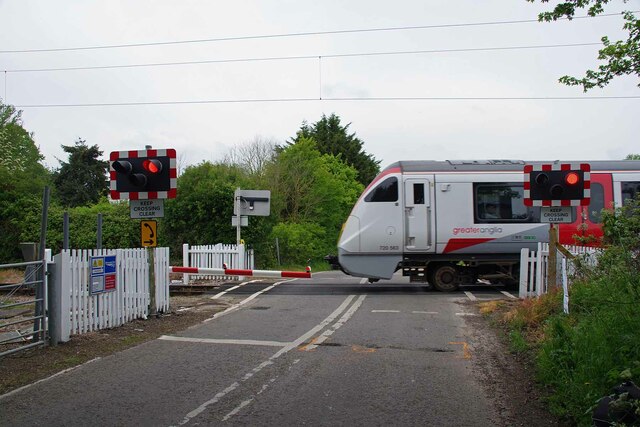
(289, 58)
(267, 100)
(284, 35)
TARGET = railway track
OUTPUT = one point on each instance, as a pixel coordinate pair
(179, 289)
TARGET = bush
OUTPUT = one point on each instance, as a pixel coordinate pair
(300, 242)
(597, 346)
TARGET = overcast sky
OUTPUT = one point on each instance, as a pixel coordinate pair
(392, 130)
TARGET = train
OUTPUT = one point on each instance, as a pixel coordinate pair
(455, 222)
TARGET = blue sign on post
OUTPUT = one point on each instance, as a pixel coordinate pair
(103, 274)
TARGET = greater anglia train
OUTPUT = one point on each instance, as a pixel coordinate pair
(454, 222)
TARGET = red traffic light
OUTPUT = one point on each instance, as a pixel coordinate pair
(152, 165)
(572, 178)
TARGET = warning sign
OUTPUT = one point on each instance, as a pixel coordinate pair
(148, 233)
(556, 214)
(103, 274)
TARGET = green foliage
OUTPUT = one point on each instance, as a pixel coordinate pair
(312, 193)
(632, 157)
(82, 180)
(301, 241)
(201, 214)
(597, 346)
(18, 152)
(517, 343)
(334, 139)
(313, 189)
(621, 57)
(118, 229)
(22, 180)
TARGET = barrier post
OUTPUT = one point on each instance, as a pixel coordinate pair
(185, 262)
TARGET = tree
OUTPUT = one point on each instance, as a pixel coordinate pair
(632, 157)
(252, 157)
(333, 138)
(22, 179)
(312, 194)
(201, 214)
(82, 180)
(622, 57)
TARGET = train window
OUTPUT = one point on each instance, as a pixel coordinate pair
(630, 190)
(501, 202)
(386, 191)
(597, 203)
(418, 194)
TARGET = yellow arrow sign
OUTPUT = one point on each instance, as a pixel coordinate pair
(148, 233)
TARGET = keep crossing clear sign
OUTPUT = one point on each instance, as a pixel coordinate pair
(144, 209)
(556, 214)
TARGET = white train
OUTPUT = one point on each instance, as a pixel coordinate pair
(454, 222)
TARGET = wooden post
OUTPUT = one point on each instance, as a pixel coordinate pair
(553, 257)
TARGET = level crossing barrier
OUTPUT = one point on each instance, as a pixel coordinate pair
(224, 271)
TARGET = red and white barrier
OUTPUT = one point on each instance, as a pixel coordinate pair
(241, 272)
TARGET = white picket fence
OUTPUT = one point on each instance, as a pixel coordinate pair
(534, 267)
(213, 256)
(82, 312)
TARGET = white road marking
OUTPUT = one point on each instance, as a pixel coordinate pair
(223, 341)
(326, 334)
(424, 312)
(237, 409)
(385, 311)
(248, 401)
(470, 296)
(270, 361)
(509, 295)
(218, 295)
(466, 314)
(244, 301)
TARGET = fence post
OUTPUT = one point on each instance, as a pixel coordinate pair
(185, 262)
(524, 272)
(540, 272)
(241, 259)
(552, 266)
(59, 309)
(565, 287)
(152, 281)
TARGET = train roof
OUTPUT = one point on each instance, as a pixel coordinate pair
(505, 165)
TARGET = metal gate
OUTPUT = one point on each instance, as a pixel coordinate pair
(23, 308)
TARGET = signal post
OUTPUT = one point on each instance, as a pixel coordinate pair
(556, 188)
(146, 177)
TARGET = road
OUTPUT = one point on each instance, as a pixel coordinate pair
(331, 350)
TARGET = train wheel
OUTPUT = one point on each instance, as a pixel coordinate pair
(445, 278)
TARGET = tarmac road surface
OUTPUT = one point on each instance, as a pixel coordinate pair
(324, 351)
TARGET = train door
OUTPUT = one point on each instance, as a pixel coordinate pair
(418, 215)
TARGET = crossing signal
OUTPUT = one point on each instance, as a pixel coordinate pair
(153, 166)
(557, 185)
(143, 174)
